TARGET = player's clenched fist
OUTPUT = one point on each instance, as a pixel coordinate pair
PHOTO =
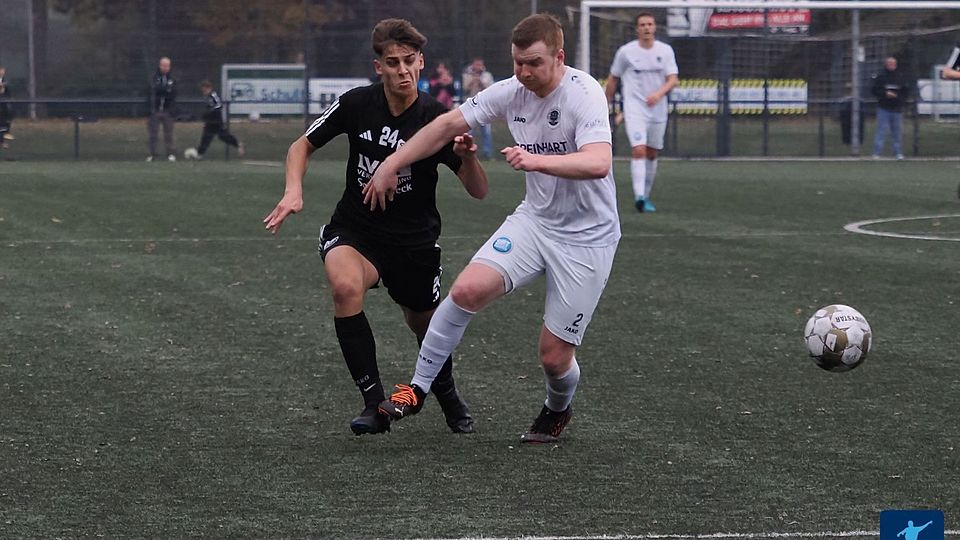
(520, 159)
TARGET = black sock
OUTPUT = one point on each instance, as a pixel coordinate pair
(444, 384)
(360, 352)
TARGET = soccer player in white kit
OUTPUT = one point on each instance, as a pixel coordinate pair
(566, 228)
(648, 70)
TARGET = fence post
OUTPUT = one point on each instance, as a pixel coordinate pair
(675, 147)
(226, 147)
(820, 134)
(916, 129)
(76, 136)
(723, 97)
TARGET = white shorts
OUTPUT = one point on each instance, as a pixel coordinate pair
(576, 275)
(639, 131)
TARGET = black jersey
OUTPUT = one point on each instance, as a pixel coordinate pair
(214, 112)
(412, 218)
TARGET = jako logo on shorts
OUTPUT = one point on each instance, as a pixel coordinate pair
(502, 244)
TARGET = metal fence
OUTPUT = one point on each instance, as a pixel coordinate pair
(114, 129)
(80, 63)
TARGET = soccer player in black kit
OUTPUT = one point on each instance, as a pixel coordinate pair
(213, 125)
(360, 247)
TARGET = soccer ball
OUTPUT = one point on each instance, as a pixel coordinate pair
(838, 337)
(191, 153)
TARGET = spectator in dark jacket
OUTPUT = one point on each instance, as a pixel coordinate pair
(892, 88)
(442, 86)
(213, 124)
(163, 100)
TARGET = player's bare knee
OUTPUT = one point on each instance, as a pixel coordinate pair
(347, 293)
(556, 363)
(651, 153)
(467, 294)
(639, 152)
(556, 355)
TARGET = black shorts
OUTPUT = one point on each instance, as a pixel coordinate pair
(411, 275)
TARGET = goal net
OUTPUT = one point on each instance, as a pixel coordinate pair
(784, 58)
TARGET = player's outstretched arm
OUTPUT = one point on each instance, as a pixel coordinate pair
(590, 162)
(298, 157)
(471, 172)
(950, 74)
(383, 185)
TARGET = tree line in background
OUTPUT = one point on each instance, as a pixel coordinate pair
(110, 47)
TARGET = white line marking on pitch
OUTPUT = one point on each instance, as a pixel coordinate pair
(263, 163)
(858, 228)
(655, 536)
(720, 535)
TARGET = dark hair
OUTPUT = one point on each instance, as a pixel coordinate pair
(540, 27)
(645, 14)
(206, 84)
(399, 31)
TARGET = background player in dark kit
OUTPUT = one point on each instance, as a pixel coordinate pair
(213, 125)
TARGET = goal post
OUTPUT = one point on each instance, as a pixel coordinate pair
(850, 5)
(761, 45)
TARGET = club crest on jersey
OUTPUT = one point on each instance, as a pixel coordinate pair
(503, 244)
(553, 117)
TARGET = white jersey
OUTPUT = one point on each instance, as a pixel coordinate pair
(579, 212)
(642, 72)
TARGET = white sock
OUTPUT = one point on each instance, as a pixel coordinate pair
(446, 329)
(560, 389)
(638, 173)
(651, 174)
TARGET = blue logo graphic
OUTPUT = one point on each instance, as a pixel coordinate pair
(911, 525)
(502, 244)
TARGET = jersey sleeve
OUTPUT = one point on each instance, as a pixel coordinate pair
(330, 123)
(448, 157)
(593, 119)
(619, 64)
(489, 104)
(670, 64)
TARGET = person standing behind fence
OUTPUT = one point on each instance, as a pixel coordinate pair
(6, 114)
(163, 100)
(892, 89)
(952, 73)
(441, 85)
(648, 70)
(213, 124)
(477, 78)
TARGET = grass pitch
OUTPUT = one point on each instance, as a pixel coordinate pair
(168, 369)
